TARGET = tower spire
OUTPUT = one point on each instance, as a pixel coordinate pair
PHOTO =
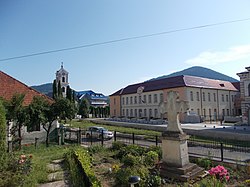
(61, 64)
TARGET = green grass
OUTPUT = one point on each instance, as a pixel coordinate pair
(85, 124)
(40, 158)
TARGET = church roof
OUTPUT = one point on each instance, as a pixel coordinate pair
(62, 70)
(178, 81)
(10, 86)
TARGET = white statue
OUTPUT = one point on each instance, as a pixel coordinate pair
(173, 106)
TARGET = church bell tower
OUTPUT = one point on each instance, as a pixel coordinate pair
(62, 76)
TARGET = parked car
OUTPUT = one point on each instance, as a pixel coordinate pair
(96, 132)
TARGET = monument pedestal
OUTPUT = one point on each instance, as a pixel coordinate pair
(175, 160)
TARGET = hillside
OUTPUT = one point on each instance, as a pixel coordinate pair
(46, 89)
(200, 72)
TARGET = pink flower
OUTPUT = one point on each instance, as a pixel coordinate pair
(23, 156)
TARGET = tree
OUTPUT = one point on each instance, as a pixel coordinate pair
(2, 130)
(84, 108)
(55, 93)
(69, 93)
(17, 113)
(36, 111)
(59, 89)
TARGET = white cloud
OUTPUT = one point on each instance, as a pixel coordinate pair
(216, 57)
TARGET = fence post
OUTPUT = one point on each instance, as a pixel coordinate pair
(36, 142)
(115, 136)
(102, 138)
(79, 136)
(221, 151)
(133, 137)
(156, 140)
(91, 141)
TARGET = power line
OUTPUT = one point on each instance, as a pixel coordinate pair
(123, 39)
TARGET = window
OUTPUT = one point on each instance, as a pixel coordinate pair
(214, 97)
(226, 98)
(135, 112)
(232, 96)
(63, 89)
(126, 112)
(204, 112)
(135, 99)
(227, 112)
(223, 112)
(155, 98)
(123, 112)
(131, 112)
(150, 112)
(197, 96)
(131, 100)
(123, 101)
(249, 90)
(140, 113)
(161, 97)
(191, 96)
(145, 112)
(139, 99)
(203, 96)
(149, 99)
(222, 97)
(63, 79)
(156, 113)
(126, 100)
(144, 99)
(209, 98)
(114, 101)
(198, 111)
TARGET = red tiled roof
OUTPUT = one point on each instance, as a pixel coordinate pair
(178, 81)
(10, 86)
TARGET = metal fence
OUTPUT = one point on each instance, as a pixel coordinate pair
(236, 151)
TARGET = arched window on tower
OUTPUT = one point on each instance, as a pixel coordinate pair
(63, 89)
(63, 79)
(249, 89)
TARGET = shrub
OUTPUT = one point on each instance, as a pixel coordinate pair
(153, 181)
(150, 158)
(96, 149)
(134, 150)
(2, 131)
(123, 174)
(204, 162)
(130, 160)
(157, 149)
(118, 145)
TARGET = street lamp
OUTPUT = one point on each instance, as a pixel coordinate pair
(133, 180)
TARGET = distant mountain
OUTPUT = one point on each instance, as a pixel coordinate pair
(200, 72)
(46, 89)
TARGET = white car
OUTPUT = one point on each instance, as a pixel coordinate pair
(97, 133)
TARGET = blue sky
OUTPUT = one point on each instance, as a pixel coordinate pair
(29, 26)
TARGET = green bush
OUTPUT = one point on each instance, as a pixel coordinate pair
(153, 181)
(79, 163)
(118, 145)
(157, 149)
(131, 160)
(134, 150)
(123, 174)
(96, 149)
(204, 162)
(2, 131)
(150, 158)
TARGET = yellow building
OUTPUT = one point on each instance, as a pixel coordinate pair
(208, 98)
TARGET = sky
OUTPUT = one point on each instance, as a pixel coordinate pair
(31, 27)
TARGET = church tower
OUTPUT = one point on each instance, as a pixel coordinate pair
(62, 76)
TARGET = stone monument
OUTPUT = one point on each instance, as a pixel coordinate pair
(175, 159)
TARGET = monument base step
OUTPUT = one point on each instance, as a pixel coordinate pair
(188, 172)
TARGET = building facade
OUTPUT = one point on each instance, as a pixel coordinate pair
(208, 98)
(62, 76)
(94, 99)
(245, 94)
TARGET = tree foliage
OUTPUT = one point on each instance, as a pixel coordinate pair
(2, 129)
(59, 89)
(55, 93)
(84, 108)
